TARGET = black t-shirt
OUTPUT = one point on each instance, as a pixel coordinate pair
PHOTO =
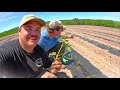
(16, 62)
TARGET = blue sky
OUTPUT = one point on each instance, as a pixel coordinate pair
(9, 20)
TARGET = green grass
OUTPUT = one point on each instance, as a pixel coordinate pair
(75, 21)
(9, 32)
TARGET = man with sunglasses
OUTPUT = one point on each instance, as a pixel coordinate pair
(49, 40)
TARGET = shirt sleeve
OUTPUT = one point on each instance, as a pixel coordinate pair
(41, 42)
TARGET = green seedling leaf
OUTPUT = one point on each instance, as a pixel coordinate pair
(64, 60)
(69, 49)
(69, 45)
(65, 41)
(88, 77)
(69, 56)
(60, 38)
(64, 44)
(91, 76)
(64, 37)
(79, 63)
(52, 53)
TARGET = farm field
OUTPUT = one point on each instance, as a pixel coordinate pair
(97, 49)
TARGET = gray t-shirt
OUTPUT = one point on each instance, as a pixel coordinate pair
(17, 63)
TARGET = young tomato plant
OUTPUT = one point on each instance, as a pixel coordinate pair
(67, 47)
(79, 63)
(87, 75)
(91, 76)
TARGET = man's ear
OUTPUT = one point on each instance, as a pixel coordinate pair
(19, 29)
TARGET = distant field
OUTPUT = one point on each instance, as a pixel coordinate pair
(75, 21)
(9, 32)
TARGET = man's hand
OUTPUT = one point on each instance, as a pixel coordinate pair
(56, 66)
(66, 36)
(70, 36)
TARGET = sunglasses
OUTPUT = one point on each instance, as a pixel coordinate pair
(59, 29)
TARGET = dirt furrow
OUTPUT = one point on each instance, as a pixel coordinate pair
(117, 40)
(103, 34)
(111, 31)
(100, 40)
(8, 38)
(107, 63)
(102, 46)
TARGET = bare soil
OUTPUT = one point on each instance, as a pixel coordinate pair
(100, 46)
(97, 48)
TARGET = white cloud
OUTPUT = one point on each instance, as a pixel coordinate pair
(4, 14)
(5, 19)
(11, 17)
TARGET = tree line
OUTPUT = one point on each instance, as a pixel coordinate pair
(75, 21)
(106, 23)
